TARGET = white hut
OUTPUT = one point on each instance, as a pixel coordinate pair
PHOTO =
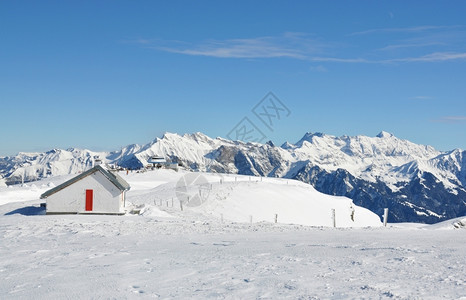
(96, 191)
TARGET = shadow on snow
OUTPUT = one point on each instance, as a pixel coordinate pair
(28, 211)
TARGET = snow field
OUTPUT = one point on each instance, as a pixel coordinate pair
(84, 257)
(169, 253)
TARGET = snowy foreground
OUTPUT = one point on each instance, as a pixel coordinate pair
(169, 253)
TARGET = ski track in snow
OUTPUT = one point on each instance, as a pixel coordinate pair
(193, 255)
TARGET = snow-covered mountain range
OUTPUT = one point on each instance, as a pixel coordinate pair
(416, 182)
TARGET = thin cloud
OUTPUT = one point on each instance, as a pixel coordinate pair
(341, 60)
(291, 45)
(451, 119)
(433, 57)
(410, 45)
(244, 49)
(402, 29)
(440, 41)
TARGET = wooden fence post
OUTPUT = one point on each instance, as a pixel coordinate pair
(385, 216)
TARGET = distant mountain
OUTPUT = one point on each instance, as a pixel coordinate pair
(417, 183)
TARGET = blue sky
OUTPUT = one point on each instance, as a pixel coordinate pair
(104, 74)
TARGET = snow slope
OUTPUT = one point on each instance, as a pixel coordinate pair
(238, 198)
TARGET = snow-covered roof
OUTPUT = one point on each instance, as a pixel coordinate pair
(114, 178)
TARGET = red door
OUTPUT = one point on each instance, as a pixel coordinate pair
(89, 199)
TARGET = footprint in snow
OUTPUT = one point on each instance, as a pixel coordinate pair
(137, 290)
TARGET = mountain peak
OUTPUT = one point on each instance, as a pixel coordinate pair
(384, 134)
(309, 135)
(199, 134)
(167, 135)
(287, 145)
(270, 143)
